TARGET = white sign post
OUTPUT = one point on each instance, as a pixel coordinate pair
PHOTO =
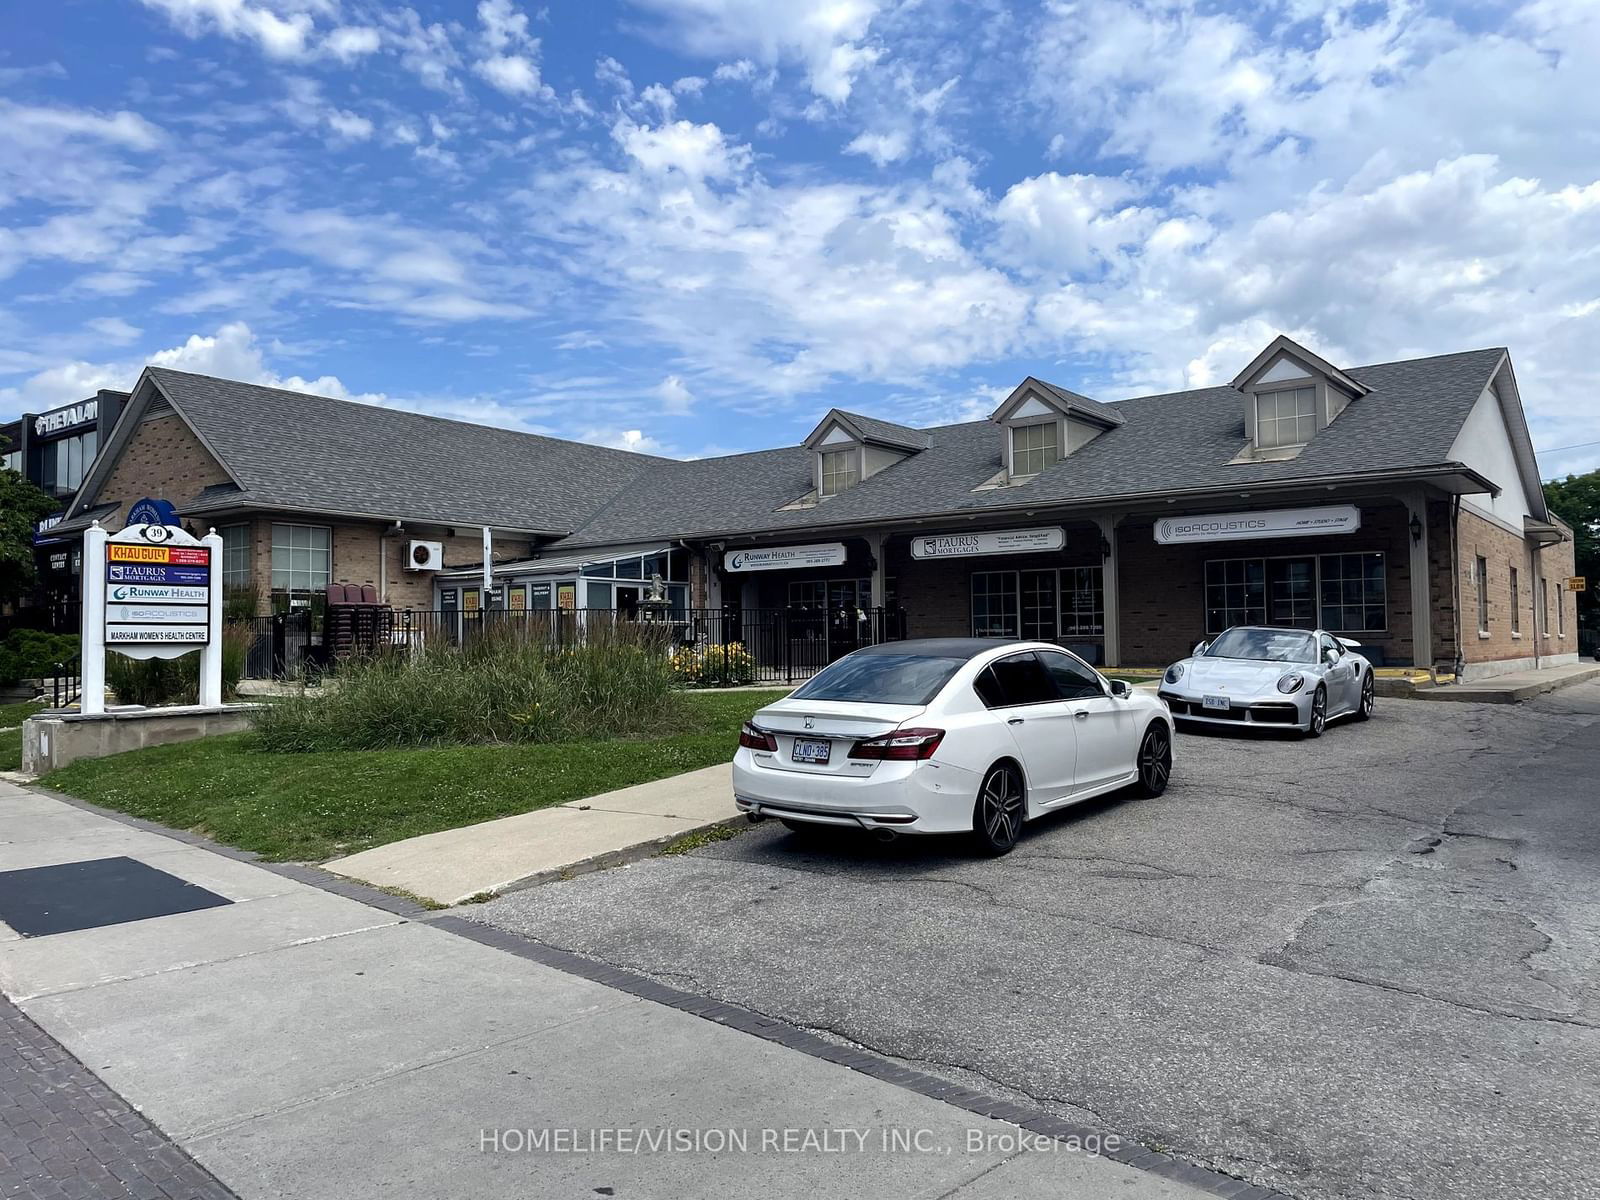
(151, 591)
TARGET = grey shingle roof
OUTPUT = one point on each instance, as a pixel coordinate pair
(887, 433)
(1073, 402)
(1176, 441)
(299, 451)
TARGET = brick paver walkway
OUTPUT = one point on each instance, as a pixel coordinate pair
(63, 1133)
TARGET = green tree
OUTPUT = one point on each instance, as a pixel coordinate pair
(21, 507)
(1576, 500)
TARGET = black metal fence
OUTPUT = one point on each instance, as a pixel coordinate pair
(725, 647)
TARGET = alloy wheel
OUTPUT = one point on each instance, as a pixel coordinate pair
(997, 819)
(1319, 714)
(1368, 699)
(1155, 761)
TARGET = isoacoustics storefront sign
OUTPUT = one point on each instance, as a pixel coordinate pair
(1269, 523)
(783, 558)
(1000, 541)
(157, 593)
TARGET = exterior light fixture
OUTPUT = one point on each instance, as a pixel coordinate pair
(1105, 547)
(1416, 528)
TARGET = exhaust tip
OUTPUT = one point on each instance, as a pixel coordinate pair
(885, 835)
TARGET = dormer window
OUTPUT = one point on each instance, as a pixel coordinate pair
(841, 471)
(1287, 417)
(1033, 448)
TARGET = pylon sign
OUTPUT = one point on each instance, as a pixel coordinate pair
(151, 591)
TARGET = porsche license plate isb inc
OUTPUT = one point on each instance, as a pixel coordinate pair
(812, 750)
(1220, 702)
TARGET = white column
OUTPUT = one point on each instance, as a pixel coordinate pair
(488, 566)
(1110, 591)
(92, 646)
(211, 652)
(1421, 585)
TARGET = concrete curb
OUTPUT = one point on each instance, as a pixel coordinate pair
(1486, 692)
(621, 857)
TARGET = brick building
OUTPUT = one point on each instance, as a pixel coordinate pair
(1398, 505)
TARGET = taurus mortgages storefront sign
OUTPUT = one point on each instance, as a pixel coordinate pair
(1004, 541)
(1269, 523)
(151, 591)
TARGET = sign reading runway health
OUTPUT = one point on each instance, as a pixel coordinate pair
(151, 590)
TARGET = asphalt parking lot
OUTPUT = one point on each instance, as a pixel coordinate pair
(1359, 966)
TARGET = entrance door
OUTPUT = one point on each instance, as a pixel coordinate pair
(627, 602)
(1292, 592)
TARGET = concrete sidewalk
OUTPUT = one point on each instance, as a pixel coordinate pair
(581, 835)
(1512, 688)
(298, 1043)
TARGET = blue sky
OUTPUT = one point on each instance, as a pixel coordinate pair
(691, 226)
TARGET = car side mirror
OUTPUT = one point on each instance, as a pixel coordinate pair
(1200, 647)
(1121, 689)
(1330, 655)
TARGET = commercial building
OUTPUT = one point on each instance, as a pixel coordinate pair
(1397, 504)
(55, 449)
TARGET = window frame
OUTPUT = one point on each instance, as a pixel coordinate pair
(1048, 450)
(1053, 698)
(1254, 614)
(1094, 680)
(1278, 419)
(231, 572)
(1071, 619)
(849, 454)
(1480, 571)
(1516, 603)
(289, 546)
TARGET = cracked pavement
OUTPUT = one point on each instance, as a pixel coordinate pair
(1359, 966)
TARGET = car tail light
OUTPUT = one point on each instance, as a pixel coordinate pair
(753, 737)
(902, 745)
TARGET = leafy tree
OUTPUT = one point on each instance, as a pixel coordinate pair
(21, 507)
(1576, 500)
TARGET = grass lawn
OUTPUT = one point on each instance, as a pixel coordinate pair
(11, 739)
(310, 807)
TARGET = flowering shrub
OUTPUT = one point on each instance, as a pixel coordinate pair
(714, 665)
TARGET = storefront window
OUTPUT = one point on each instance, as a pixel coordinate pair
(235, 556)
(1354, 598)
(597, 595)
(1236, 593)
(1033, 448)
(66, 460)
(1083, 612)
(302, 558)
(1038, 595)
(994, 604)
(1292, 592)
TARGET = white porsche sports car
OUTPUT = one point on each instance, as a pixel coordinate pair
(1266, 675)
(949, 735)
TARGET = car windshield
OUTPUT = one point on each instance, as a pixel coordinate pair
(882, 679)
(1265, 645)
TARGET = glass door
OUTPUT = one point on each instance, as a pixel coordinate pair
(1292, 592)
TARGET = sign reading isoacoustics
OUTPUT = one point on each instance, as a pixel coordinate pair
(1268, 523)
(1002, 541)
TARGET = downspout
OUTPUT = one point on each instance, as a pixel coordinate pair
(1455, 576)
(383, 559)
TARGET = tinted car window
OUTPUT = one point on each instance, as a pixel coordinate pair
(989, 689)
(1265, 645)
(1073, 680)
(882, 679)
(1023, 680)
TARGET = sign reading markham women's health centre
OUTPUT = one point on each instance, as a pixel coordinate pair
(1268, 523)
(151, 591)
(1001, 541)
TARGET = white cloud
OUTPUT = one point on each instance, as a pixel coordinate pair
(281, 30)
(828, 38)
(676, 398)
(511, 73)
(42, 126)
(351, 42)
(881, 148)
(698, 152)
(115, 330)
(623, 439)
(510, 61)
(349, 125)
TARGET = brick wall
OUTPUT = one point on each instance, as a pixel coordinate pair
(1163, 587)
(1501, 550)
(163, 460)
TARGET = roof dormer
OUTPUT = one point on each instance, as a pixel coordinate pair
(1041, 423)
(1290, 394)
(850, 448)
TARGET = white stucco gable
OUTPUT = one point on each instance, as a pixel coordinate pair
(1485, 444)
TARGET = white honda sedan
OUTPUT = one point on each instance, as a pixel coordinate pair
(951, 735)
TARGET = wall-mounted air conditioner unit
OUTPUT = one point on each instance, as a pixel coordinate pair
(425, 556)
